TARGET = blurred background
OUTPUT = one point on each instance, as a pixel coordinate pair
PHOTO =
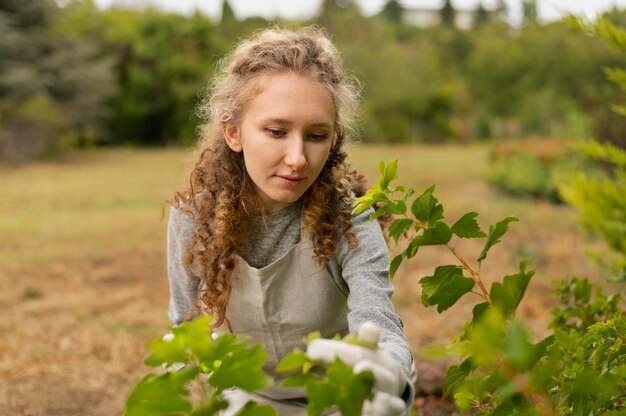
(97, 126)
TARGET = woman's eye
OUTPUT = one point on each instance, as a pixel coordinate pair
(275, 132)
(317, 137)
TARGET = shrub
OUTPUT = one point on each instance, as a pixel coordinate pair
(529, 167)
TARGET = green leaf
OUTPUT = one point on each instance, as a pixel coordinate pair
(293, 361)
(507, 295)
(211, 409)
(411, 250)
(320, 396)
(395, 263)
(371, 197)
(242, 368)
(620, 351)
(311, 337)
(398, 227)
(478, 311)
(388, 173)
(167, 352)
(426, 209)
(517, 348)
(254, 409)
(300, 379)
(467, 227)
(161, 394)
(189, 337)
(496, 231)
(455, 375)
(445, 287)
(486, 337)
(439, 234)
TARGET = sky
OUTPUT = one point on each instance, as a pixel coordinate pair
(547, 9)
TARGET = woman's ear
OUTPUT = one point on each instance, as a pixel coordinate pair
(232, 136)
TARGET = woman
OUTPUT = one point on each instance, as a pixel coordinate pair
(264, 238)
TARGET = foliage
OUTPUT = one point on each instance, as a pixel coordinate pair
(52, 86)
(163, 61)
(213, 364)
(579, 369)
(530, 167)
(600, 193)
(600, 196)
(337, 387)
(134, 76)
(192, 356)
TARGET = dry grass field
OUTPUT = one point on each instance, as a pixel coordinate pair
(82, 266)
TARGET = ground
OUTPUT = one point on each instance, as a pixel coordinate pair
(82, 268)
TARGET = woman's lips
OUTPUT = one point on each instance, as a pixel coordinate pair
(290, 180)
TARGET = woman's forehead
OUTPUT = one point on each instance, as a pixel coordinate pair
(291, 97)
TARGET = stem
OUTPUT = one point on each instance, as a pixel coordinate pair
(471, 271)
(475, 276)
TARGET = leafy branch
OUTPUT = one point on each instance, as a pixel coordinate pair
(423, 218)
(580, 369)
(211, 364)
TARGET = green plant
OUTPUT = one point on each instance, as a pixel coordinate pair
(579, 369)
(334, 386)
(211, 365)
(529, 167)
(600, 193)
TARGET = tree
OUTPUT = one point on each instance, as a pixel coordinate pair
(501, 9)
(529, 11)
(163, 61)
(228, 15)
(481, 15)
(52, 84)
(448, 14)
(392, 11)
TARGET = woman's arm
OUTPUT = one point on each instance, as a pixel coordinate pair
(366, 273)
(183, 283)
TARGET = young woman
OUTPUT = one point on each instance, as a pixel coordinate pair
(264, 238)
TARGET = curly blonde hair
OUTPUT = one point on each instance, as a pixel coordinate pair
(215, 196)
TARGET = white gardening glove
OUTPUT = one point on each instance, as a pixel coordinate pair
(390, 379)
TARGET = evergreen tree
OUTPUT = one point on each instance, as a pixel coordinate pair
(228, 15)
(392, 11)
(52, 87)
(448, 14)
(481, 15)
(529, 11)
(502, 10)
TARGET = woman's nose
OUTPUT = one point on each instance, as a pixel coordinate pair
(295, 157)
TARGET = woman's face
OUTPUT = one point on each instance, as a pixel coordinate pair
(285, 134)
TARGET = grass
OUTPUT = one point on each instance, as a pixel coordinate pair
(82, 264)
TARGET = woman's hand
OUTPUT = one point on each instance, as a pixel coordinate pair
(390, 379)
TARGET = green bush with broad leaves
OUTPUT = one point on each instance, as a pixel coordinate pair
(210, 366)
(197, 366)
(580, 369)
(530, 167)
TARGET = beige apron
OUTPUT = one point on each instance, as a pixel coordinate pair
(279, 305)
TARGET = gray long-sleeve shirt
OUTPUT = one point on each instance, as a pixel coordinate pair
(361, 273)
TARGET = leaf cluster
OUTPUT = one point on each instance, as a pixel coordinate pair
(334, 387)
(579, 369)
(213, 364)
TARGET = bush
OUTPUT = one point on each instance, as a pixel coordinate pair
(529, 167)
